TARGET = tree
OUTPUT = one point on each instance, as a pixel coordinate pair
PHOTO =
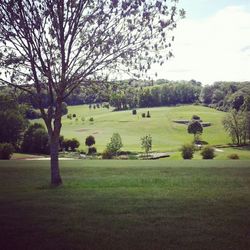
(53, 47)
(36, 140)
(115, 143)
(236, 123)
(90, 141)
(74, 143)
(146, 143)
(12, 121)
(195, 128)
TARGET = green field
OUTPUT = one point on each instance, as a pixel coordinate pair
(126, 205)
(167, 135)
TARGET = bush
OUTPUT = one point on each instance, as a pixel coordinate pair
(36, 140)
(233, 157)
(196, 117)
(91, 119)
(92, 150)
(6, 150)
(115, 143)
(143, 115)
(207, 152)
(134, 112)
(69, 116)
(74, 115)
(148, 115)
(74, 143)
(187, 151)
(107, 154)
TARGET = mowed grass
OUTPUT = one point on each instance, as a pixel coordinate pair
(167, 135)
(126, 205)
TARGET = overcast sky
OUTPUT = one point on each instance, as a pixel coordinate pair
(212, 43)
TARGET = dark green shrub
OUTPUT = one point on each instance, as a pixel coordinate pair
(148, 115)
(92, 150)
(6, 150)
(107, 154)
(208, 152)
(74, 115)
(233, 157)
(187, 151)
(69, 116)
(143, 115)
(74, 143)
(91, 119)
(36, 140)
(196, 117)
(134, 112)
(90, 140)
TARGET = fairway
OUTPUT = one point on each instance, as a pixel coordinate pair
(167, 135)
(126, 205)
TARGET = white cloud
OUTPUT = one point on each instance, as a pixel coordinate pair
(211, 49)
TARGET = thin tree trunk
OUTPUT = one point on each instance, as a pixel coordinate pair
(56, 179)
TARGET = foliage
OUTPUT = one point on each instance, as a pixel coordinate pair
(208, 152)
(69, 116)
(91, 119)
(187, 151)
(12, 121)
(90, 140)
(146, 143)
(148, 115)
(64, 108)
(6, 150)
(233, 156)
(134, 112)
(196, 117)
(70, 144)
(35, 140)
(107, 154)
(115, 143)
(74, 115)
(195, 128)
(143, 115)
(92, 150)
(236, 123)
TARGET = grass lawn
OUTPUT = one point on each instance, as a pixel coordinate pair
(126, 205)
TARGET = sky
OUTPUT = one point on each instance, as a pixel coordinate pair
(212, 43)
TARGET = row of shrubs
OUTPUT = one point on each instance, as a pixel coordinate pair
(134, 112)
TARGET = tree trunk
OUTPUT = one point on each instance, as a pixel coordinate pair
(56, 179)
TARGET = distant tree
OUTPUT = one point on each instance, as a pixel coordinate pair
(36, 140)
(53, 47)
(146, 144)
(115, 143)
(195, 128)
(237, 126)
(73, 144)
(12, 121)
(64, 108)
(90, 141)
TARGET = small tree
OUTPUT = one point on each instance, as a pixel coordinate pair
(187, 151)
(90, 141)
(115, 143)
(195, 128)
(146, 144)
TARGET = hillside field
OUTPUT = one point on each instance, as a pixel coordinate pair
(167, 135)
(198, 204)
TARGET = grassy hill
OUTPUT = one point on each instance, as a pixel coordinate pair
(167, 135)
(126, 205)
